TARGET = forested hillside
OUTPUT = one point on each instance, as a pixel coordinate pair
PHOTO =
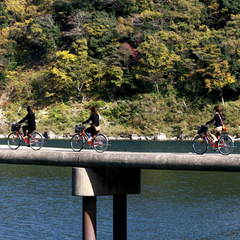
(148, 65)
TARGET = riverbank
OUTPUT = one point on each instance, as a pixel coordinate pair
(120, 138)
(120, 122)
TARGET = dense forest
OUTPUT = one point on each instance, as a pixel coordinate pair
(148, 65)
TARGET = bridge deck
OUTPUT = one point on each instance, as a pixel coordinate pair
(139, 160)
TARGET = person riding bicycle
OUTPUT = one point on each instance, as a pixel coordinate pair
(218, 123)
(94, 118)
(30, 119)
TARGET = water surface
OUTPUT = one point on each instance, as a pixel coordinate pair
(36, 201)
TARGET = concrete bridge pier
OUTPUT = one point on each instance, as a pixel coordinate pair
(92, 182)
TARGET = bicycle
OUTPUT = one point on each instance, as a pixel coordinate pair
(35, 139)
(99, 141)
(224, 143)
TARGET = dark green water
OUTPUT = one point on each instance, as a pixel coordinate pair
(36, 201)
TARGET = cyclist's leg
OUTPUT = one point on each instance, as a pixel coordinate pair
(91, 130)
(87, 130)
(25, 128)
(29, 132)
(218, 131)
(28, 135)
(212, 133)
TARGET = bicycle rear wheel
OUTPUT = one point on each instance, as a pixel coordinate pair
(200, 144)
(100, 143)
(13, 141)
(225, 144)
(36, 140)
(77, 142)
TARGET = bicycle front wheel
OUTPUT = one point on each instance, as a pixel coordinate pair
(225, 145)
(100, 143)
(36, 140)
(77, 142)
(13, 141)
(200, 144)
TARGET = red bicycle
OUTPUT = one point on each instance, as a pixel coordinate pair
(99, 141)
(224, 143)
(34, 140)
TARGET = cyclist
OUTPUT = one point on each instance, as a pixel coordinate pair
(218, 123)
(94, 118)
(30, 119)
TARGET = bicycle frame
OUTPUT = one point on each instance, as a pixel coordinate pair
(216, 144)
(19, 133)
(206, 136)
(98, 141)
(28, 140)
(86, 138)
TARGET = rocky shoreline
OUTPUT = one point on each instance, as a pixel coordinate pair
(160, 136)
(157, 137)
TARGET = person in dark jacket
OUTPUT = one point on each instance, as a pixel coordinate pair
(94, 118)
(30, 119)
(218, 123)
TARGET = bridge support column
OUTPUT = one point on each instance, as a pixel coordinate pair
(89, 218)
(119, 217)
(92, 182)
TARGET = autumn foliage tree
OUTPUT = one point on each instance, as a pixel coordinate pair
(157, 61)
(126, 48)
(217, 76)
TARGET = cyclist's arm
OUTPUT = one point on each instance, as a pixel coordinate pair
(211, 121)
(23, 120)
(87, 121)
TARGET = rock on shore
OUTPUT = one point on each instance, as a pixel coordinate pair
(49, 134)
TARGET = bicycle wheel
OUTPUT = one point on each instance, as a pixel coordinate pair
(100, 143)
(77, 142)
(13, 141)
(200, 144)
(36, 140)
(225, 144)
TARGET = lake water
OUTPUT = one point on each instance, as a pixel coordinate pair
(36, 201)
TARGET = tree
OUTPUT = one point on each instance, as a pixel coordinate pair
(217, 76)
(101, 32)
(43, 35)
(73, 71)
(4, 18)
(157, 61)
(77, 20)
(233, 7)
(17, 9)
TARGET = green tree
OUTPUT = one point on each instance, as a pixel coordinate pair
(217, 76)
(43, 36)
(101, 32)
(157, 61)
(4, 18)
(233, 7)
(73, 71)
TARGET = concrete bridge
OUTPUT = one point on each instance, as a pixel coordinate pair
(114, 173)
